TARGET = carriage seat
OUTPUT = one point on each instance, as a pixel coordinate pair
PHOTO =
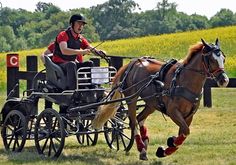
(54, 74)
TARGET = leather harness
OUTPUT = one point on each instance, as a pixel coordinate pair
(176, 90)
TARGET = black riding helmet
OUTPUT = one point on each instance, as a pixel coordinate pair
(77, 17)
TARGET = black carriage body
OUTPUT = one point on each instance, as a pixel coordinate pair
(28, 107)
(82, 97)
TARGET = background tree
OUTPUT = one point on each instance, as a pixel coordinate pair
(200, 22)
(4, 46)
(223, 18)
(112, 14)
(165, 9)
(114, 19)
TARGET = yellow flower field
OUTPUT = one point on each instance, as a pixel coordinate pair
(162, 47)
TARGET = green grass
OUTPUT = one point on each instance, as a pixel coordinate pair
(213, 131)
(212, 141)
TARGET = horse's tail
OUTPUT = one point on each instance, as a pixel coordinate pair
(107, 111)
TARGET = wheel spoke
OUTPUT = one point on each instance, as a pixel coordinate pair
(50, 147)
(112, 138)
(86, 135)
(44, 119)
(14, 145)
(58, 139)
(82, 138)
(123, 141)
(11, 122)
(49, 125)
(54, 124)
(14, 131)
(53, 146)
(19, 129)
(90, 137)
(7, 136)
(9, 127)
(10, 141)
(123, 135)
(87, 139)
(118, 134)
(17, 142)
(117, 142)
(45, 144)
(18, 122)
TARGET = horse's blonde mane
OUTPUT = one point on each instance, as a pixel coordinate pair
(193, 50)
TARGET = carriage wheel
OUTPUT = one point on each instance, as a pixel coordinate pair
(87, 135)
(49, 133)
(14, 131)
(118, 134)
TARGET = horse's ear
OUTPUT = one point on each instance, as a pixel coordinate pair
(204, 43)
(207, 47)
(217, 42)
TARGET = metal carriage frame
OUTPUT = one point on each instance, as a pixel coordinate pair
(20, 120)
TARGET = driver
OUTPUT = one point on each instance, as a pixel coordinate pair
(70, 43)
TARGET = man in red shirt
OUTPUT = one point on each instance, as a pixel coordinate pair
(68, 45)
(49, 52)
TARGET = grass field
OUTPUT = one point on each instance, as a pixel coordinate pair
(213, 132)
(212, 141)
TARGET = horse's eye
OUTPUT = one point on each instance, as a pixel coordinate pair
(217, 53)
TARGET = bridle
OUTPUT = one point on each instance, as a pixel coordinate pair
(206, 63)
(208, 71)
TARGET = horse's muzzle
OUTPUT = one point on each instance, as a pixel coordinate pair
(222, 79)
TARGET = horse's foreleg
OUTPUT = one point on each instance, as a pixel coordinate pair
(174, 142)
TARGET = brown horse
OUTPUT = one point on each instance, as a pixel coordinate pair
(178, 98)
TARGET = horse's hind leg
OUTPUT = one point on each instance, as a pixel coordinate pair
(143, 140)
(134, 126)
(142, 116)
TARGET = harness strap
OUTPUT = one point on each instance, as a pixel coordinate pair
(183, 91)
(186, 93)
(130, 66)
(165, 68)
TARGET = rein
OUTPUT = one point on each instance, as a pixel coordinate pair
(195, 70)
(205, 64)
(121, 85)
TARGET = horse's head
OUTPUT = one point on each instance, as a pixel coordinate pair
(213, 61)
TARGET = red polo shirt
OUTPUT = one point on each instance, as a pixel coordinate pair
(62, 36)
(51, 47)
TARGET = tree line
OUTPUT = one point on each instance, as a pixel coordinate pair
(115, 19)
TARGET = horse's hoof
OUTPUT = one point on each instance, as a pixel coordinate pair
(143, 156)
(160, 152)
(170, 141)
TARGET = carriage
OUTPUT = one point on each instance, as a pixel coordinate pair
(22, 120)
(174, 88)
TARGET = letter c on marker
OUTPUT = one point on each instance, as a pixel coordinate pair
(14, 61)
